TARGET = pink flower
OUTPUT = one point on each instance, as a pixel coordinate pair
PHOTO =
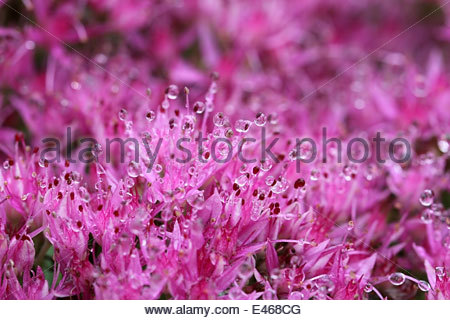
(160, 202)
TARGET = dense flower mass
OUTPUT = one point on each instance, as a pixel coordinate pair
(129, 220)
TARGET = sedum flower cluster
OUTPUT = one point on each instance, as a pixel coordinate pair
(177, 207)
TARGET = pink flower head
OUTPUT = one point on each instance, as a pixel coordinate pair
(224, 150)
